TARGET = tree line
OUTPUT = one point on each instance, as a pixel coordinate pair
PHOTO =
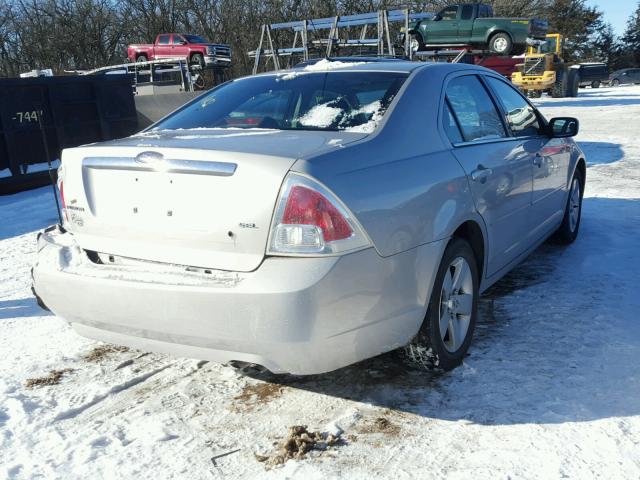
(80, 34)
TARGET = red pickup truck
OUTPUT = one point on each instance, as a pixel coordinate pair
(195, 49)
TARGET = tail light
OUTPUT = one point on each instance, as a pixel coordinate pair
(61, 188)
(309, 219)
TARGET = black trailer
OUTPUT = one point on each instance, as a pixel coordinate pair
(41, 116)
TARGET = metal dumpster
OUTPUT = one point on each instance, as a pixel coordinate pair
(62, 111)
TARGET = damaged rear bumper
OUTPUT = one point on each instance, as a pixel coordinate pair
(294, 315)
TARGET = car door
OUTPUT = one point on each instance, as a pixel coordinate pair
(162, 48)
(549, 157)
(497, 165)
(445, 29)
(465, 24)
(179, 46)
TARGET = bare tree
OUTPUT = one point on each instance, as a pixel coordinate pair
(73, 34)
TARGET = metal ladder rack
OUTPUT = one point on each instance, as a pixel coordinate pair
(337, 37)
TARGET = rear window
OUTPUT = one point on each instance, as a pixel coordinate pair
(484, 11)
(467, 12)
(299, 100)
(195, 39)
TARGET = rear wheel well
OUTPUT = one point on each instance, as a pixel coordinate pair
(418, 36)
(471, 232)
(496, 32)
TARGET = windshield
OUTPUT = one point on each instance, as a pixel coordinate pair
(194, 39)
(549, 46)
(299, 100)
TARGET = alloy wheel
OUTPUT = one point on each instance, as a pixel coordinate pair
(500, 44)
(456, 304)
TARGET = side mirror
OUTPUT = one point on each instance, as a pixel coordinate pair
(563, 127)
(437, 17)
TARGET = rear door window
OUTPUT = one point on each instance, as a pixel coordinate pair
(450, 125)
(474, 110)
(163, 39)
(521, 116)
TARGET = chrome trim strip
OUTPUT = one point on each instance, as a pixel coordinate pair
(496, 140)
(194, 167)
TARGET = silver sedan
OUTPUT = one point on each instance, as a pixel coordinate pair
(308, 219)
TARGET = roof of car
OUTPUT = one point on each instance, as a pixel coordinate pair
(373, 64)
(352, 59)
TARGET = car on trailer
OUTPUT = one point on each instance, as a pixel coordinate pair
(194, 48)
(474, 24)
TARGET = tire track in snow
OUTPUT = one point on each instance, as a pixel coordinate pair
(153, 388)
(74, 412)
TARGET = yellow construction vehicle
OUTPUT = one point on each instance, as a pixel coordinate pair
(544, 70)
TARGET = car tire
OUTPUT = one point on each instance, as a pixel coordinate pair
(534, 93)
(416, 44)
(457, 277)
(595, 84)
(197, 59)
(501, 44)
(141, 58)
(570, 226)
(615, 83)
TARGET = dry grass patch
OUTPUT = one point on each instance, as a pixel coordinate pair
(298, 442)
(259, 393)
(53, 378)
(381, 425)
(101, 351)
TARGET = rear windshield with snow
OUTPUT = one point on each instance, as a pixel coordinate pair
(304, 100)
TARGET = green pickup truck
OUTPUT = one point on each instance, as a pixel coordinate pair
(474, 24)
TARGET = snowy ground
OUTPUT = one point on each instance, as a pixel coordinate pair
(551, 388)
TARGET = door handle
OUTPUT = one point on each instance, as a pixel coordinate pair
(537, 161)
(481, 174)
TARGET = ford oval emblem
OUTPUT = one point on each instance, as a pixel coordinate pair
(149, 158)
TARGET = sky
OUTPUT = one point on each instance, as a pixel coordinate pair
(616, 12)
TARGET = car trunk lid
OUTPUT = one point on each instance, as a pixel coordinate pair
(195, 198)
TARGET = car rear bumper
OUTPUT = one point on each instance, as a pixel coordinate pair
(295, 315)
